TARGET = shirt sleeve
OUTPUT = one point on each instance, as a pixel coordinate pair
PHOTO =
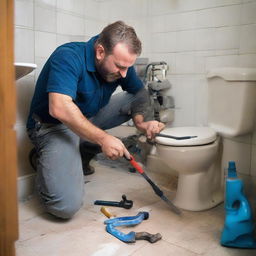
(131, 83)
(64, 73)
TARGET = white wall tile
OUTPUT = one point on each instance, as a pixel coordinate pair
(188, 5)
(171, 22)
(221, 61)
(185, 63)
(184, 91)
(248, 185)
(24, 45)
(50, 4)
(24, 13)
(227, 16)
(164, 6)
(205, 18)
(227, 37)
(201, 100)
(205, 39)
(24, 89)
(228, 2)
(93, 8)
(247, 60)
(92, 27)
(248, 39)
(223, 52)
(184, 117)
(40, 63)
(199, 62)
(62, 39)
(185, 40)
(45, 19)
(159, 23)
(69, 25)
(253, 163)
(45, 44)
(186, 20)
(248, 13)
(238, 152)
(77, 6)
(164, 42)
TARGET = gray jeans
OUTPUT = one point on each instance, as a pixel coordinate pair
(60, 182)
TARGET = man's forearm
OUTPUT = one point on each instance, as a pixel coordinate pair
(63, 109)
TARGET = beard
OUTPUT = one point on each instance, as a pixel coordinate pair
(105, 73)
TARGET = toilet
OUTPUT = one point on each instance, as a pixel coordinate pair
(197, 160)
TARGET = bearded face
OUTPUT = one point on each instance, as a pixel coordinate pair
(114, 65)
(105, 70)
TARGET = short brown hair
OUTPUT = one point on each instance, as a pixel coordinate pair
(119, 32)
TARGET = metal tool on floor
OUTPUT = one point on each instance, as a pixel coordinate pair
(132, 236)
(157, 190)
(124, 203)
(174, 137)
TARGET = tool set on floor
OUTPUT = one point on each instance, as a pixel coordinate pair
(112, 223)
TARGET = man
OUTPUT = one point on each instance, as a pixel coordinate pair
(71, 106)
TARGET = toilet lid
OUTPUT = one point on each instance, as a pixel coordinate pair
(204, 135)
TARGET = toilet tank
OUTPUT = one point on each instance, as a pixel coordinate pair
(232, 100)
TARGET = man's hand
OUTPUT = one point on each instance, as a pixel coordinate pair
(150, 128)
(113, 148)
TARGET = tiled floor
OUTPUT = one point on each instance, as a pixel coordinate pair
(195, 233)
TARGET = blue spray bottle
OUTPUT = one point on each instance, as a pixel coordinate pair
(238, 229)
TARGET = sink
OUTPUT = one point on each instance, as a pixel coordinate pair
(22, 69)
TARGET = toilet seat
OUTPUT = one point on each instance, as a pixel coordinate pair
(205, 135)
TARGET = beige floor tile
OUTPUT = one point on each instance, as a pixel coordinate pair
(223, 251)
(89, 240)
(30, 209)
(163, 248)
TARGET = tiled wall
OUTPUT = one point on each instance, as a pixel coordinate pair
(192, 36)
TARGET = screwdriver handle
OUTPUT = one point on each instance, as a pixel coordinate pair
(135, 164)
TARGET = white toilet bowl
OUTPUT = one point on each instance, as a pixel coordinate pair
(196, 162)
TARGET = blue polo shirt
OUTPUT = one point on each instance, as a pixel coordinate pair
(71, 70)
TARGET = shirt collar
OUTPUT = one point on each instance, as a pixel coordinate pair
(90, 54)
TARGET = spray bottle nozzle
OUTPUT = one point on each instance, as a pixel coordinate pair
(232, 170)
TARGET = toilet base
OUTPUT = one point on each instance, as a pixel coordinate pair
(193, 193)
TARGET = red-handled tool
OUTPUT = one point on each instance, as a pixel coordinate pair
(157, 190)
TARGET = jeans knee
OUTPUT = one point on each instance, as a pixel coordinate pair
(64, 206)
(64, 210)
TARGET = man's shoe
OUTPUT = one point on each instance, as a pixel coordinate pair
(88, 170)
(88, 152)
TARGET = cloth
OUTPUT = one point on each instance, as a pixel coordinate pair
(70, 70)
(59, 181)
